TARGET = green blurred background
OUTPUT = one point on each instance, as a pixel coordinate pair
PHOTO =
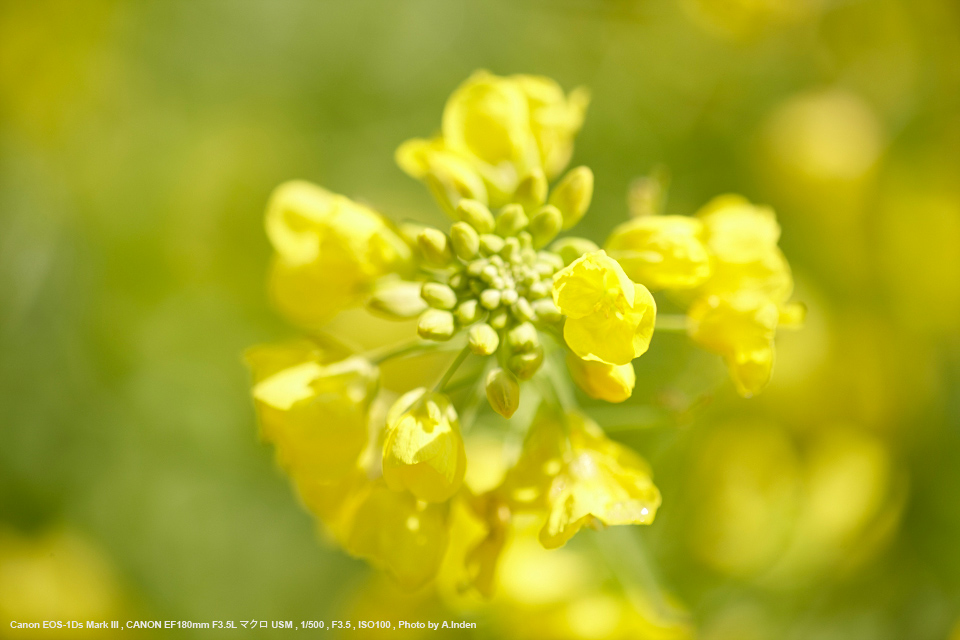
(139, 142)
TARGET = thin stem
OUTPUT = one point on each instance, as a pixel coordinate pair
(453, 369)
(671, 322)
(378, 356)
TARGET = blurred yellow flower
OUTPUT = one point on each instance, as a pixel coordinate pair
(609, 317)
(424, 451)
(316, 415)
(329, 251)
(661, 252)
(602, 381)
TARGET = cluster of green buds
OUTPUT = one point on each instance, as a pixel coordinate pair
(491, 275)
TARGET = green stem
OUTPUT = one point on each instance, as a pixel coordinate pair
(671, 322)
(453, 369)
(378, 356)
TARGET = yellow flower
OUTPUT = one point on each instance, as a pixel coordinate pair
(569, 468)
(609, 317)
(741, 328)
(555, 119)
(316, 415)
(602, 381)
(329, 251)
(396, 532)
(742, 238)
(423, 451)
(499, 136)
(662, 252)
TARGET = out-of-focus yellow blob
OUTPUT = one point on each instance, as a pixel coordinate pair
(55, 576)
(740, 328)
(661, 252)
(742, 19)
(316, 415)
(609, 317)
(424, 451)
(329, 251)
(602, 381)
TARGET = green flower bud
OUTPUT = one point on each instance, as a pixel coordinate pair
(498, 319)
(545, 224)
(483, 340)
(468, 312)
(525, 365)
(490, 299)
(523, 338)
(569, 249)
(572, 195)
(523, 310)
(435, 324)
(434, 247)
(511, 220)
(503, 392)
(546, 310)
(397, 300)
(490, 244)
(465, 240)
(532, 190)
(476, 215)
(438, 296)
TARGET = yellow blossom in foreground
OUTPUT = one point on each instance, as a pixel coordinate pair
(662, 252)
(424, 451)
(570, 469)
(316, 415)
(609, 317)
(329, 251)
(602, 381)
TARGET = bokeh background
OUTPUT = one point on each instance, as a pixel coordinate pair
(140, 140)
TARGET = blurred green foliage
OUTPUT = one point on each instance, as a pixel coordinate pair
(139, 142)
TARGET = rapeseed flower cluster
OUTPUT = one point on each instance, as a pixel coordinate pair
(385, 475)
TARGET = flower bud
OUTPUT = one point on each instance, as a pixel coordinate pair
(434, 247)
(523, 311)
(602, 381)
(498, 319)
(532, 190)
(546, 310)
(572, 195)
(465, 240)
(397, 300)
(476, 215)
(483, 340)
(503, 392)
(438, 296)
(490, 299)
(511, 220)
(467, 312)
(490, 244)
(545, 224)
(569, 249)
(525, 365)
(523, 338)
(435, 324)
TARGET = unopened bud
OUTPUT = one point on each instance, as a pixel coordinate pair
(465, 240)
(525, 365)
(545, 224)
(435, 324)
(438, 296)
(532, 190)
(477, 215)
(523, 338)
(490, 244)
(490, 299)
(483, 340)
(434, 247)
(523, 310)
(546, 310)
(397, 300)
(503, 392)
(498, 319)
(572, 195)
(468, 312)
(511, 220)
